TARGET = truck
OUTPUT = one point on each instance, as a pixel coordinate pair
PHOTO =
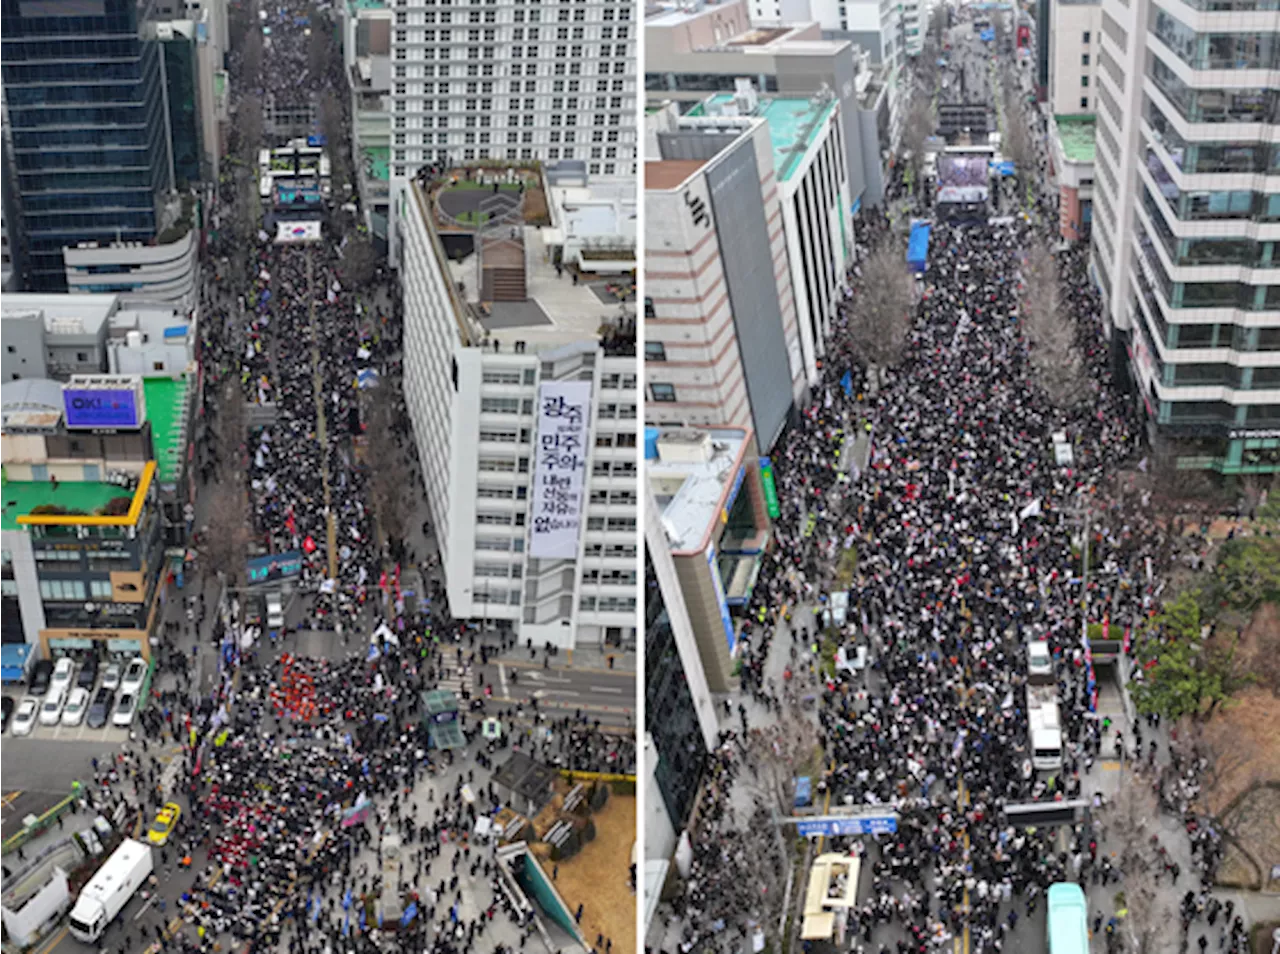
(110, 889)
(1045, 728)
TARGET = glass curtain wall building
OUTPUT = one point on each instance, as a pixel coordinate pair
(88, 126)
(1186, 203)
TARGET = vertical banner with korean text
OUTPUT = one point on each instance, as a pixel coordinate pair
(564, 413)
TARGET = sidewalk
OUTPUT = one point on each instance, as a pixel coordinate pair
(581, 658)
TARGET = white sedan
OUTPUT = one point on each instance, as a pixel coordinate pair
(77, 706)
(24, 720)
(64, 671)
(51, 708)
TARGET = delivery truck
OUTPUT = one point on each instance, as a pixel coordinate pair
(110, 890)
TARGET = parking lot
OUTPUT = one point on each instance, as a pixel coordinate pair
(107, 735)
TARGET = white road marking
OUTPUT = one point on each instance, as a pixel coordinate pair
(502, 677)
(607, 689)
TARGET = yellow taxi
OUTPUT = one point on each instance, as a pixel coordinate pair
(162, 827)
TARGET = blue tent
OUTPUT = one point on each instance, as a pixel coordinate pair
(918, 247)
(14, 659)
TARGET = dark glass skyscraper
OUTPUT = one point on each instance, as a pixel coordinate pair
(87, 126)
(672, 720)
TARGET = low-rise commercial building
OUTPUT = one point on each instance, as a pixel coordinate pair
(709, 495)
(84, 563)
(817, 212)
(722, 341)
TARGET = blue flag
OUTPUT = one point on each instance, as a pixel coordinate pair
(410, 913)
(846, 382)
(346, 900)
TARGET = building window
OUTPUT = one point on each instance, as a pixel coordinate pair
(1084, 37)
(1084, 81)
(655, 351)
(661, 392)
(1084, 104)
(62, 589)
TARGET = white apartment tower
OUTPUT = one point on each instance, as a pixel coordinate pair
(1187, 221)
(513, 80)
(524, 413)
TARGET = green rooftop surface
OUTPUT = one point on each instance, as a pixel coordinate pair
(20, 497)
(1077, 135)
(367, 5)
(793, 123)
(379, 159)
(166, 401)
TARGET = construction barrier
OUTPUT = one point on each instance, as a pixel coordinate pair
(42, 823)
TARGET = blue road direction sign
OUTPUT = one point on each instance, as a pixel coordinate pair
(832, 825)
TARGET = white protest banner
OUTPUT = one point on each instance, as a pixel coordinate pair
(564, 409)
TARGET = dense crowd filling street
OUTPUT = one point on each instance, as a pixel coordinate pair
(967, 538)
(285, 747)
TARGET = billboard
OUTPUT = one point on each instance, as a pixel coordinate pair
(274, 566)
(564, 408)
(114, 405)
(962, 178)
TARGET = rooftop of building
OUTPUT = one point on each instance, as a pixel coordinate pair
(166, 408)
(557, 311)
(692, 483)
(62, 311)
(760, 36)
(1077, 136)
(794, 124)
(669, 16)
(665, 174)
(21, 497)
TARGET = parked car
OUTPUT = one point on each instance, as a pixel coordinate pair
(51, 708)
(6, 709)
(77, 705)
(64, 671)
(24, 720)
(100, 711)
(134, 674)
(126, 709)
(41, 673)
(88, 674)
(111, 677)
(162, 827)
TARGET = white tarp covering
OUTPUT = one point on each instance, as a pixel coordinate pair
(288, 233)
(564, 408)
(24, 924)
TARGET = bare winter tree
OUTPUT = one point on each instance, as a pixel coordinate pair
(1151, 925)
(882, 308)
(333, 125)
(224, 538)
(919, 125)
(1055, 358)
(358, 262)
(388, 487)
(1015, 143)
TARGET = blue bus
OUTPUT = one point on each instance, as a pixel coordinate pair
(1068, 919)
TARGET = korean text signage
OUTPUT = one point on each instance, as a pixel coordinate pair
(770, 488)
(105, 407)
(564, 408)
(858, 825)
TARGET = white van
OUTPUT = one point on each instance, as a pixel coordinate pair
(275, 611)
(51, 707)
(1039, 663)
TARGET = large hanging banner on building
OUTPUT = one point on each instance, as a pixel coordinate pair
(564, 409)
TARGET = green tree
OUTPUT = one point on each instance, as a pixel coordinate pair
(1183, 673)
(1247, 573)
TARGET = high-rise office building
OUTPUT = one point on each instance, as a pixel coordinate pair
(87, 124)
(1184, 240)
(512, 80)
(521, 387)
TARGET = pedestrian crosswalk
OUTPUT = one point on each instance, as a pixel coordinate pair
(457, 679)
